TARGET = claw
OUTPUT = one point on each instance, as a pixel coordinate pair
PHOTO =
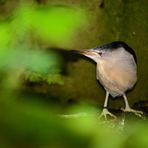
(105, 112)
(136, 112)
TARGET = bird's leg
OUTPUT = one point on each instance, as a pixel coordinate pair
(129, 109)
(105, 111)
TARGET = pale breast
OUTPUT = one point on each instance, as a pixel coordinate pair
(116, 77)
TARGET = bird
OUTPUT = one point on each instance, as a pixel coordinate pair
(116, 70)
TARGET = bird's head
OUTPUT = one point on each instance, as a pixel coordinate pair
(106, 50)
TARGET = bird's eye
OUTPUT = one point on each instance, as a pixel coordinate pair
(100, 53)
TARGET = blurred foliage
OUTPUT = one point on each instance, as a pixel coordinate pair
(35, 124)
(5, 35)
(16, 59)
(29, 119)
(55, 24)
(29, 23)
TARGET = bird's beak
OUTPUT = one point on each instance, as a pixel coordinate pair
(86, 52)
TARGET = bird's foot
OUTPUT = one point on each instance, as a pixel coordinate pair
(136, 112)
(106, 113)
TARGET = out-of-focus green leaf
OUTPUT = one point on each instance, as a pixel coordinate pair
(57, 23)
(37, 61)
(36, 124)
(138, 137)
(5, 35)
